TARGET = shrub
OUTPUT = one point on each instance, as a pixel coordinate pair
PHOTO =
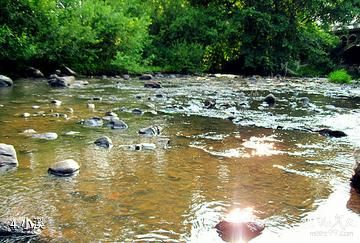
(340, 76)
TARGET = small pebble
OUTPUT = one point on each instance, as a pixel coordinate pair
(25, 115)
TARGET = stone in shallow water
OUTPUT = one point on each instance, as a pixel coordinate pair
(66, 167)
(5, 81)
(20, 226)
(152, 84)
(7, 155)
(104, 142)
(270, 99)
(150, 131)
(25, 115)
(56, 102)
(46, 136)
(331, 133)
(115, 123)
(94, 122)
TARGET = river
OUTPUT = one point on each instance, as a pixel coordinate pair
(239, 153)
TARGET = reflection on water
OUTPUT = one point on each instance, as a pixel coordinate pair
(294, 180)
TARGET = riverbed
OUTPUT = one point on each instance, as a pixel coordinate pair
(208, 160)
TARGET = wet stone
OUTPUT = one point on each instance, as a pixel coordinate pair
(150, 131)
(137, 112)
(91, 106)
(7, 155)
(5, 81)
(29, 131)
(115, 123)
(270, 99)
(93, 122)
(56, 102)
(66, 167)
(209, 103)
(304, 101)
(35, 107)
(104, 142)
(46, 136)
(152, 84)
(146, 77)
(331, 133)
(25, 114)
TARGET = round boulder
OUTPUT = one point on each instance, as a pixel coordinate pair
(7, 155)
(5, 81)
(104, 142)
(66, 167)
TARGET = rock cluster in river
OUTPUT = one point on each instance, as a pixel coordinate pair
(61, 82)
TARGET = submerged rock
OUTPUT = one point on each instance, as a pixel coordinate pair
(150, 131)
(331, 133)
(46, 136)
(104, 142)
(5, 81)
(66, 167)
(8, 155)
(20, 226)
(61, 82)
(152, 84)
(270, 99)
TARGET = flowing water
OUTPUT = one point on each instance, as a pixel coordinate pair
(237, 154)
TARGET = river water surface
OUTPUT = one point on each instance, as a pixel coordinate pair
(237, 154)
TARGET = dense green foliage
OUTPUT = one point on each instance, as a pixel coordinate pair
(91, 36)
(340, 76)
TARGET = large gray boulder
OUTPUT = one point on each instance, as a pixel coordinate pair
(8, 155)
(66, 167)
(61, 82)
(5, 81)
(20, 226)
